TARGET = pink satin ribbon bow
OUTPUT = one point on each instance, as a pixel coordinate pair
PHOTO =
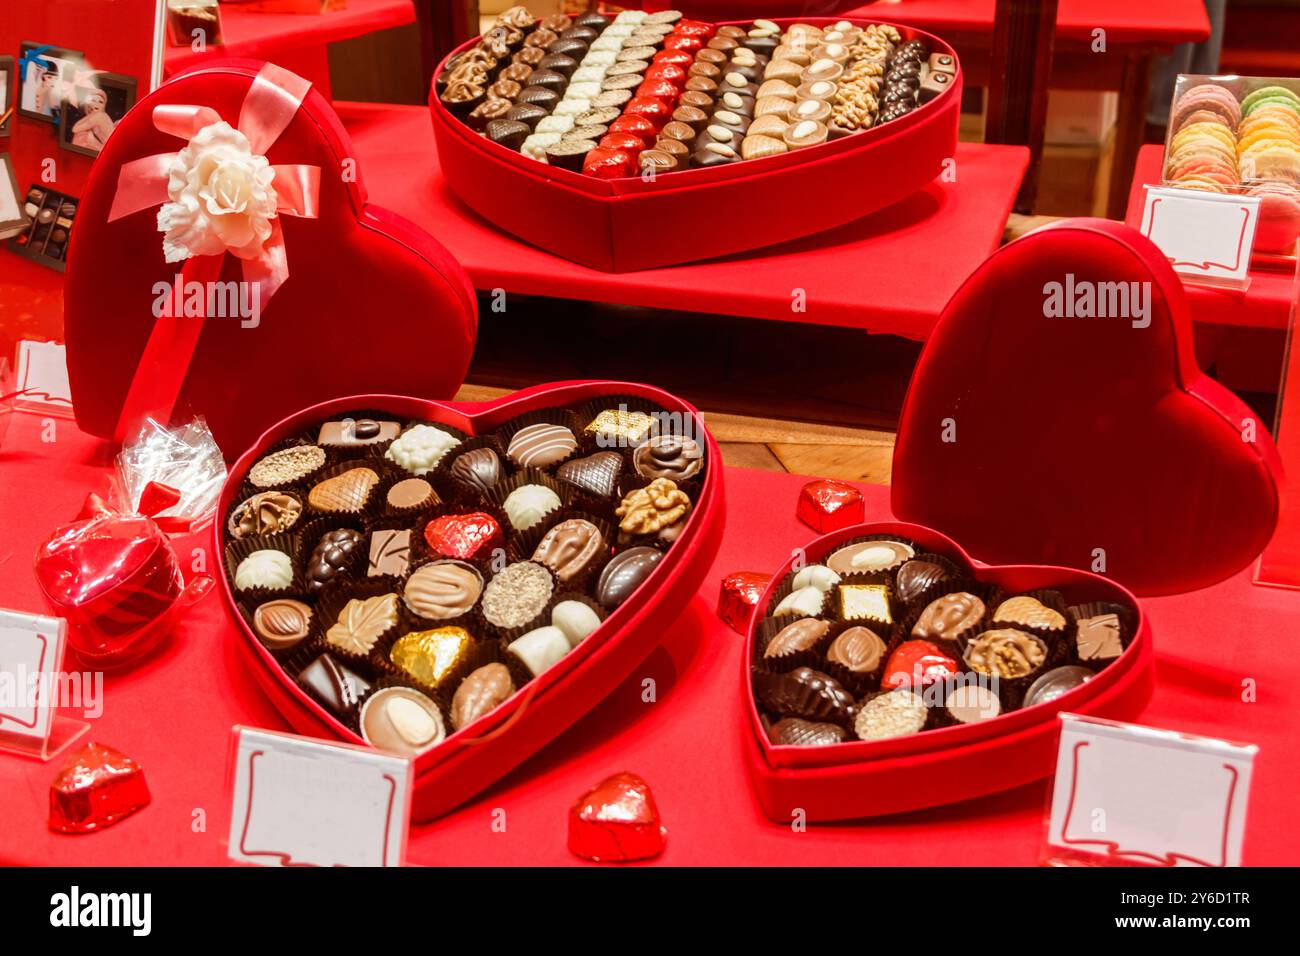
(268, 108)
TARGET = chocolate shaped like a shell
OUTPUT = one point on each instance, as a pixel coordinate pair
(483, 690)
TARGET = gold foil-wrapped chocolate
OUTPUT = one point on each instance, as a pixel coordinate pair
(865, 602)
(618, 425)
(429, 656)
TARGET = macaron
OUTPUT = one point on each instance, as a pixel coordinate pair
(1269, 96)
(1218, 172)
(1279, 117)
(1213, 132)
(1279, 217)
(1210, 97)
(1270, 161)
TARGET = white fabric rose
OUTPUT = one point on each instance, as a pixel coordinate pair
(221, 197)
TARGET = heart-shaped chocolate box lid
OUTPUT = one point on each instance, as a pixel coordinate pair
(373, 303)
(1036, 435)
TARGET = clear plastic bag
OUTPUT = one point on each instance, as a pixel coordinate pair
(184, 458)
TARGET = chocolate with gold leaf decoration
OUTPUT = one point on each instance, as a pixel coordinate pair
(868, 602)
(432, 656)
(598, 473)
(620, 427)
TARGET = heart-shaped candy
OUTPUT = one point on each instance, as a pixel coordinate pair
(464, 536)
(616, 821)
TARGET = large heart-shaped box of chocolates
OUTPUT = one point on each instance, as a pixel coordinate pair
(643, 141)
(888, 671)
(250, 370)
(462, 582)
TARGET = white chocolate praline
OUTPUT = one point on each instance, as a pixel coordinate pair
(586, 74)
(631, 16)
(535, 145)
(420, 448)
(805, 602)
(557, 124)
(575, 619)
(569, 106)
(816, 575)
(599, 58)
(583, 91)
(540, 648)
(264, 569)
(528, 504)
(619, 30)
(603, 42)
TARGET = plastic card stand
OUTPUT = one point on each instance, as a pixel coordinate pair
(1207, 237)
(295, 801)
(1129, 795)
(41, 381)
(33, 686)
(1279, 565)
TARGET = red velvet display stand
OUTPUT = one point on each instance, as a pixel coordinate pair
(174, 712)
(1264, 304)
(917, 251)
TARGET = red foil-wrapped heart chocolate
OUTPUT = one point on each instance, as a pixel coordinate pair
(916, 663)
(739, 597)
(827, 505)
(616, 821)
(464, 536)
(115, 579)
(95, 789)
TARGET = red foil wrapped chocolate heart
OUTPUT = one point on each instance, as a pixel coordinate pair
(464, 536)
(616, 821)
(826, 505)
(115, 579)
(739, 597)
(95, 789)
(916, 663)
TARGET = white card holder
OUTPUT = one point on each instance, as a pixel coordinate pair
(33, 687)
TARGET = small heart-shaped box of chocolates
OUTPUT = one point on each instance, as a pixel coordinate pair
(639, 140)
(888, 671)
(462, 582)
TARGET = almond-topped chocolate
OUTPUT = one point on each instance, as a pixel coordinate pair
(867, 556)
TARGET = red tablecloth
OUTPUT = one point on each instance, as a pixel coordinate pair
(174, 715)
(890, 272)
(1265, 304)
(1153, 22)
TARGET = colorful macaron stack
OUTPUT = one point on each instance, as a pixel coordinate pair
(1224, 145)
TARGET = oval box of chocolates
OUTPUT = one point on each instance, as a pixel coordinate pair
(887, 671)
(638, 140)
(461, 582)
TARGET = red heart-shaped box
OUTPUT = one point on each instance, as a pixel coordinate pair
(871, 778)
(373, 303)
(625, 224)
(472, 758)
(1089, 442)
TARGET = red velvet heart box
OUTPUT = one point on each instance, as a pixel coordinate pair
(871, 778)
(627, 224)
(1088, 442)
(373, 303)
(471, 759)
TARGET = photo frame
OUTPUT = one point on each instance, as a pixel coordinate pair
(12, 219)
(44, 73)
(8, 94)
(92, 108)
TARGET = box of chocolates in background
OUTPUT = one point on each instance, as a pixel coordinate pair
(45, 239)
(890, 672)
(464, 582)
(587, 135)
(1240, 135)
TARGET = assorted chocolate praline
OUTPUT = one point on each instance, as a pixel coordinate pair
(877, 637)
(411, 578)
